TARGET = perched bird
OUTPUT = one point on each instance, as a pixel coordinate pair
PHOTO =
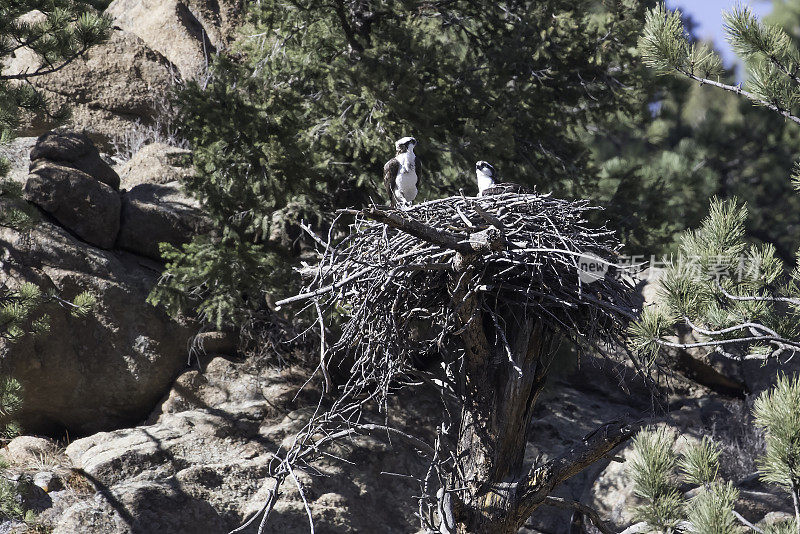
(485, 173)
(488, 184)
(400, 174)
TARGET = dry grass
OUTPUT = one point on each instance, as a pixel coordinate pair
(740, 442)
(79, 483)
(162, 129)
(51, 458)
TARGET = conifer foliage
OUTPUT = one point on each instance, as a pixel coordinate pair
(56, 32)
(302, 118)
(739, 299)
(770, 56)
(661, 476)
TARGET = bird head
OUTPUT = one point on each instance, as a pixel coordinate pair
(485, 168)
(405, 144)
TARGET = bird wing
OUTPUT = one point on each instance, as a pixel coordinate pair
(417, 167)
(389, 175)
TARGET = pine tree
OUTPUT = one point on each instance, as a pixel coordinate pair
(65, 30)
(62, 32)
(776, 412)
(657, 472)
(739, 298)
(300, 120)
(658, 170)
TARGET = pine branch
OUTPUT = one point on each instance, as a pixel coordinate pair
(722, 342)
(739, 91)
(747, 523)
(748, 298)
(46, 71)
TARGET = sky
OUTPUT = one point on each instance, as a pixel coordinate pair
(708, 15)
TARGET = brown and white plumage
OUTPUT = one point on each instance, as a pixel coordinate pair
(400, 174)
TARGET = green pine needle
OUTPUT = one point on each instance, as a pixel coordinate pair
(776, 412)
(699, 464)
(710, 511)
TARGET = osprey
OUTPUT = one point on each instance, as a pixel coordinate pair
(400, 173)
(488, 186)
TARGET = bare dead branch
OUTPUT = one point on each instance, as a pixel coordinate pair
(541, 480)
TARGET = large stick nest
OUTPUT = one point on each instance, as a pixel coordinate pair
(394, 277)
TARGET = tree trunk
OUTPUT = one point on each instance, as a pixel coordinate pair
(503, 375)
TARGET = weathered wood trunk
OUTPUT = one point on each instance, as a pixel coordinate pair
(503, 375)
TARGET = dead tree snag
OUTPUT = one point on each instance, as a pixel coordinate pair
(470, 296)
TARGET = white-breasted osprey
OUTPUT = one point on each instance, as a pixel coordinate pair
(400, 174)
(488, 184)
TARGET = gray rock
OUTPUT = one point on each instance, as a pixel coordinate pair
(156, 163)
(775, 518)
(207, 450)
(97, 372)
(186, 32)
(76, 150)
(142, 508)
(17, 153)
(134, 78)
(25, 450)
(158, 213)
(82, 204)
(755, 505)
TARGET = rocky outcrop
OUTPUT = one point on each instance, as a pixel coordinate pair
(155, 44)
(70, 181)
(204, 457)
(78, 201)
(17, 155)
(142, 508)
(154, 214)
(186, 32)
(134, 80)
(75, 150)
(156, 163)
(101, 371)
(24, 450)
(155, 209)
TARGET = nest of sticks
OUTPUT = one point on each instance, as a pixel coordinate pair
(394, 276)
(397, 283)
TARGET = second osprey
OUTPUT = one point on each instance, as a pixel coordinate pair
(400, 173)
